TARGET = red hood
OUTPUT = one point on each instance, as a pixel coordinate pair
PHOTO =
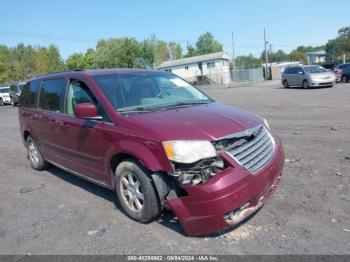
(198, 122)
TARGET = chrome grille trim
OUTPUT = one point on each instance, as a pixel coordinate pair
(254, 153)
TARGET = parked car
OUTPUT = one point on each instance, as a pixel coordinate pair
(343, 72)
(307, 76)
(4, 96)
(15, 92)
(155, 140)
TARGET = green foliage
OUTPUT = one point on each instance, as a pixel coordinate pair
(206, 44)
(340, 45)
(247, 61)
(296, 55)
(23, 62)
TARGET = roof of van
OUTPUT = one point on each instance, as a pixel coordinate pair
(93, 72)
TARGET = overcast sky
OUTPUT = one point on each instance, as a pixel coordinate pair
(76, 25)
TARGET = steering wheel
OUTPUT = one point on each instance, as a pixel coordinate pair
(161, 93)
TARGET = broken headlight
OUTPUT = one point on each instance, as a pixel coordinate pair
(199, 172)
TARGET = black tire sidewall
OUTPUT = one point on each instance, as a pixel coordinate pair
(42, 163)
(151, 208)
(305, 81)
(285, 85)
(1, 102)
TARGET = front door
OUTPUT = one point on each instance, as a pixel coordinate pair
(83, 138)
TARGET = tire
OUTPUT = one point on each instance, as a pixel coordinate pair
(306, 84)
(34, 155)
(136, 193)
(344, 79)
(1, 102)
(13, 103)
(285, 84)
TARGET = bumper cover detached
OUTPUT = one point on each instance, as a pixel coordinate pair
(229, 197)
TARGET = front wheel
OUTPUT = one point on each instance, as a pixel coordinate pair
(285, 84)
(344, 79)
(135, 191)
(1, 102)
(306, 84)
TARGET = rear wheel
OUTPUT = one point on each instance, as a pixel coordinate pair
(285, 84)
(34, 155)
(344, 79)
(135, 191)
(305, 84)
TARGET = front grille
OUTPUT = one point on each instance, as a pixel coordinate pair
(252, 148)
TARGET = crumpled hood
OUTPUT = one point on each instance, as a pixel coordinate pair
(198, 122)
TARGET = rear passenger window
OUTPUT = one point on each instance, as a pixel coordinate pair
(293, 70)
(29, 94)
(52, 95)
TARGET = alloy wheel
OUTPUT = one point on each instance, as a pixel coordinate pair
(33, 153)
(132, 192)
(305, 84)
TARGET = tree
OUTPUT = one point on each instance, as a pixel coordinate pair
(191, 51)
(55, 60)
(175, 50)
(279, 56)
(341, 44)
(247, 61)
(298, 56)
(206, 44)
(76, 61)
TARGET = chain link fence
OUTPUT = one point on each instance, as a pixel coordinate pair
(230, 78)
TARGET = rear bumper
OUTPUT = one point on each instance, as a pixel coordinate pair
(202, 211)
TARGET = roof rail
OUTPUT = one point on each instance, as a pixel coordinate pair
(63, 71)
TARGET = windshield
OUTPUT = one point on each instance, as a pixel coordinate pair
(314, 69)
(4, 90)
(147, 91)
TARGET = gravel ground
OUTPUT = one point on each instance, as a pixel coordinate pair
(53, 212)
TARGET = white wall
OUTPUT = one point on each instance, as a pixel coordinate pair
(219, 73)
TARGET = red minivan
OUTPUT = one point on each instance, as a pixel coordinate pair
(155, 140)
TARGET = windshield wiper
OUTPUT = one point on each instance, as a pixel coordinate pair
(186, 104)
(136, 110)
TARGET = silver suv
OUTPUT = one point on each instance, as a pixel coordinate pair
(307, 76)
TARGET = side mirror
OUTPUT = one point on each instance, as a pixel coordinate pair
(86, 111)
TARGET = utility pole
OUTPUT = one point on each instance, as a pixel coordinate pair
(233, 53)
(266, 57)
(344, 60)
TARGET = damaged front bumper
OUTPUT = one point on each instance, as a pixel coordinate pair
(228, 197)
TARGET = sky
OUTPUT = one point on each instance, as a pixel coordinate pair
(76, 25)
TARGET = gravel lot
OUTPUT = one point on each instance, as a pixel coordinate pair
(53, 212)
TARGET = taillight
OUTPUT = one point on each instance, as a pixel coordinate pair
(337, 71)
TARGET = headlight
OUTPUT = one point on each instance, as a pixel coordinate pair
(266, 124)
(188, 152)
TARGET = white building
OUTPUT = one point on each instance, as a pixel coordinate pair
(215, 66)
(316, 57)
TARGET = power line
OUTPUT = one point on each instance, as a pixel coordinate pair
(47, 36)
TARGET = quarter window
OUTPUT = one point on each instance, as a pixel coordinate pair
(51, 95)
(78, 93)
(29, 94)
